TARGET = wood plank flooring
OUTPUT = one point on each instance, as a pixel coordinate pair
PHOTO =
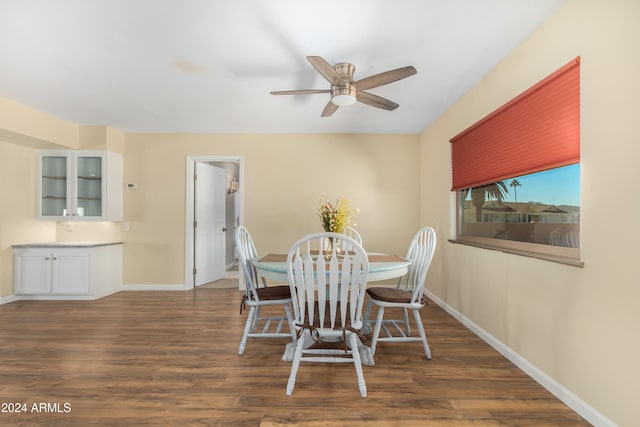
(170, 358)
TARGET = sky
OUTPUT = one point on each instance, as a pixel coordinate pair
(559, 186)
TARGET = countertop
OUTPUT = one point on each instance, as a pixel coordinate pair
(65, 245)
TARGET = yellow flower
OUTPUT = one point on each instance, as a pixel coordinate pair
(335, 217)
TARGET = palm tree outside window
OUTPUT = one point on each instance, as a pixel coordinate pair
(515, 184)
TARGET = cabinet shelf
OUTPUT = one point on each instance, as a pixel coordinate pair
(54, 177)
(53, 198)
(91, 178)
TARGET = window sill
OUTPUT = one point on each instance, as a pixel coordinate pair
(567, 256)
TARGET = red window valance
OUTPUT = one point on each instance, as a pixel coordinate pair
(537, 130)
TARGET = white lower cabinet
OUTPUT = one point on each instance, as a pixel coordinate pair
(83, 270)
(43, 271)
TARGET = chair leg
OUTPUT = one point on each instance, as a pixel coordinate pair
(297, 357)
(366, 328)
(376, 330)
(425, 344)
(355, 354)
(247, 328)
(405, 317)
(292, 328)
(256, 316)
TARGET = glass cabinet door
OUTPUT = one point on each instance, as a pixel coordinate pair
(75, 185)
(89, 186)
(54, 185)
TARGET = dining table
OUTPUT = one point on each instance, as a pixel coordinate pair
(273, 266)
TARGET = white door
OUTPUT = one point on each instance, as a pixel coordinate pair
(209, 223)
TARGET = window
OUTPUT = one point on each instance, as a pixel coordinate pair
(541, 208)
(516, 173)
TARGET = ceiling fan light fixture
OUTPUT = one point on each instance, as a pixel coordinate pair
(343, 95)
(342, 100)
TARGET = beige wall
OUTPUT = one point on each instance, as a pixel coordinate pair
(581, 326)
(18, 222)
(23, 125)
(284, 175)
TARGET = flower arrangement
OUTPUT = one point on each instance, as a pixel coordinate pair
(336, 217)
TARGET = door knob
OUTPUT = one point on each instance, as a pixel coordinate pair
(224, 228)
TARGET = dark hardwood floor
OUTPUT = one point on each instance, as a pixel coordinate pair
(170, 358)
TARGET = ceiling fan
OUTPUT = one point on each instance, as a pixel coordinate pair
(345, 91)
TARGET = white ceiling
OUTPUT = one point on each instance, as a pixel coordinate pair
(209, 65)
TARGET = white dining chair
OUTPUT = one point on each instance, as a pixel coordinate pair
(258, 294)
(565, 238)
(349, 232)
(353, 233)
(328, 293)
(407, 295)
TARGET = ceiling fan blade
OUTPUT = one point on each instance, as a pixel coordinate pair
(329, 109)
(376, 101)
(324, 68)
(300, 92)
(385, 78)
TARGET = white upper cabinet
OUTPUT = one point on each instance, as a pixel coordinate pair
(80, 185)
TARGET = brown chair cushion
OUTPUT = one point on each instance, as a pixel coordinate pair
(390, 295)
(271, 293)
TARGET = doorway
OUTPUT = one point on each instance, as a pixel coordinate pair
(233, 192)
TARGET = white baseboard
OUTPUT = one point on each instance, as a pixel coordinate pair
(558, 390)
(152, 287)
(107, 292)
(13, 298)
(7, 300)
